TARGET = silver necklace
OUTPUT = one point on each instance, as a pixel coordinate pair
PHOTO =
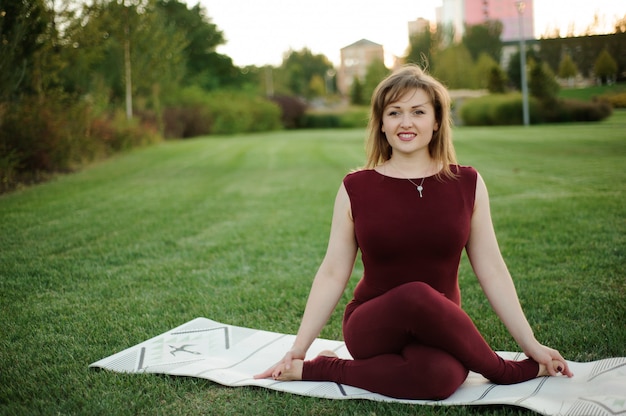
(419, 187)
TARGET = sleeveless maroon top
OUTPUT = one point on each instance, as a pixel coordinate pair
(405, 238)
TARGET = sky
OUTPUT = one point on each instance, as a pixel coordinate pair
(259, 32)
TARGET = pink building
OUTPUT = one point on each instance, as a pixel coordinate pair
(472, 12)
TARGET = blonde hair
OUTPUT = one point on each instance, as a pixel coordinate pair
(391, 89)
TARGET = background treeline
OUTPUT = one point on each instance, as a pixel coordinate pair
(80, 80)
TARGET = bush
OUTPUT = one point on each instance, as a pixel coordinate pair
(355, 117)
(292, 110)
(320, 121)
(616, 100)
(497, 109)
(58, 133)
(117, 133)
(186, 121)
(506, 109)
(196, 112)
(576, 110)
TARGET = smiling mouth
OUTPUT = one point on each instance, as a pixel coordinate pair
(406, 136)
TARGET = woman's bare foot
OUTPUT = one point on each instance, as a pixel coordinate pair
(328, 353)
(543, 370)
(294, 373)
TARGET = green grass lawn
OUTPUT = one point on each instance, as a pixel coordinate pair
(233, 229)
(589, 93)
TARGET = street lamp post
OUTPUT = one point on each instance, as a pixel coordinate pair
(522, 53)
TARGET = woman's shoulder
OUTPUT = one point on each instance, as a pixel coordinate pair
(359, 174)
(464, 170)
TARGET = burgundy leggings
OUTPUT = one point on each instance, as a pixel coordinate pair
(414, 343)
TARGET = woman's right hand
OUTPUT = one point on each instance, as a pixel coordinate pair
(285, 364)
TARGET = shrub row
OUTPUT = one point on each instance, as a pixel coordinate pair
(195, 112)
(507, 109)
(353, 118)
(59, 133)
(617, 100)
(39, 136)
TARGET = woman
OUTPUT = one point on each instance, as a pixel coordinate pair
(411, 211)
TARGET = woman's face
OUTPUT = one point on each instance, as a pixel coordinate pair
(409, 122)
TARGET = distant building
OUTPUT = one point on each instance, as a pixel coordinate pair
(458, 13)
(355, 59)
(418, 26)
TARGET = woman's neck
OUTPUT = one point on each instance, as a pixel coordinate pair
(411, 167)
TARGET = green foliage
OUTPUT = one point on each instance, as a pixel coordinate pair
(59, 134)
(376, 71)
(585, 50)
(565, 111)
(487, 71)
(506, 109)
(353, 117)
(593, 92)
(453, 65)
(422, 46)
(195, 112)
(542, 83)
(23, 30)
(357, 93)
(497, 109)
(605, 67)
(496, 81)
(204, 66)
(300, 67)
(514, 67)
(484, 38)
(567, 67)
(617, 100)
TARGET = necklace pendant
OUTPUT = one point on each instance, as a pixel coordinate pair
(420, 188)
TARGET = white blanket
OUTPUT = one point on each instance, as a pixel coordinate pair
(230, 355)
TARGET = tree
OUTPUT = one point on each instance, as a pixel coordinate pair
(421, 49)
(356, 92)
(376, 71)
(513, 70)
(542, 83)
(299, 68)
(454, 63)
(23, 25)
(605, 67)
(205, 67)
(567, 68)
(482, 70)
(496, 83)
(484, 38)
(101, 37)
